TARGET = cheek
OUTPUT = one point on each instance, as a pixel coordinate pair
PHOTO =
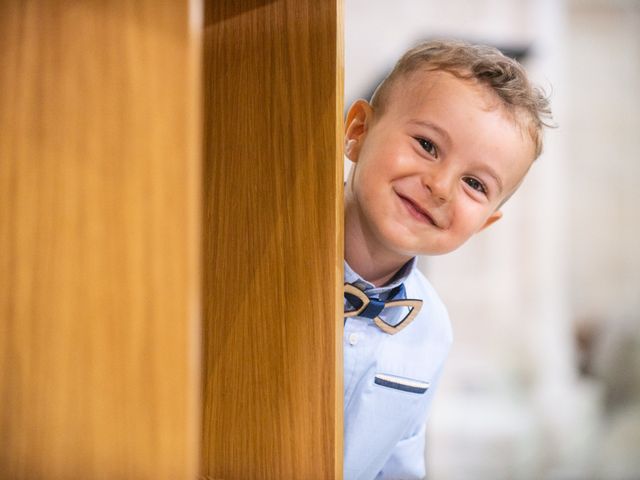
(470, 217)
(369, 175)
(366, 187)
(387, 154)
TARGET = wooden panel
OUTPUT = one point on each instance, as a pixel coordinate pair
(99, 240)
(273, 240)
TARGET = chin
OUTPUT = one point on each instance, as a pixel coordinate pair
(409, 249)
(429, 250)
(411, 245)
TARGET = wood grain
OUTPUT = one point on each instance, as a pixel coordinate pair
(272, 231)
(99, 239)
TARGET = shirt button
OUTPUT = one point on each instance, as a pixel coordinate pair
(353, 339)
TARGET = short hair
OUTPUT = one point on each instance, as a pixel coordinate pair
(503, 75)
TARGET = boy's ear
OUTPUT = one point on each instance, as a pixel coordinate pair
(495, 216)
(358, 119)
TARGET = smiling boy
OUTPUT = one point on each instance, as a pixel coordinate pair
(447, 138)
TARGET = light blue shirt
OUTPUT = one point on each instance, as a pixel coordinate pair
(384, 424)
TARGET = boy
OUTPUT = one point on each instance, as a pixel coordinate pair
(447, 138)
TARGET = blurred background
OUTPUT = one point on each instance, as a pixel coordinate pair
(543, 381)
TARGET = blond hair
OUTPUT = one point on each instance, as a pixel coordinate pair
(503, 75)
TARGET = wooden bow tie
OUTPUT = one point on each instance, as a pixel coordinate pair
(354, 293)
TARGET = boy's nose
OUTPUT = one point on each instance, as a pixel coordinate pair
(440, 186)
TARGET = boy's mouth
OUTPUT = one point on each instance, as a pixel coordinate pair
(416, 211)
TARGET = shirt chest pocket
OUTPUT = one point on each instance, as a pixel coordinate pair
(397, 397)
(402, 384)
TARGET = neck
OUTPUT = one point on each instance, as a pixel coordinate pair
(367, 257)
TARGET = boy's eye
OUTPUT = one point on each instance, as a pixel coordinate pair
(428, 147)
(475, 184)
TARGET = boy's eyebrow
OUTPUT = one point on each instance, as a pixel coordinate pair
(443, 133)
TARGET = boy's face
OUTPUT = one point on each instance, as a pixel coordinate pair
(434, 167)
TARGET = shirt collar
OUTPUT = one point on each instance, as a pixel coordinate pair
(401, 276)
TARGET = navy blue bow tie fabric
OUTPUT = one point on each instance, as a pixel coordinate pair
(375, 306)
(371, 306)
